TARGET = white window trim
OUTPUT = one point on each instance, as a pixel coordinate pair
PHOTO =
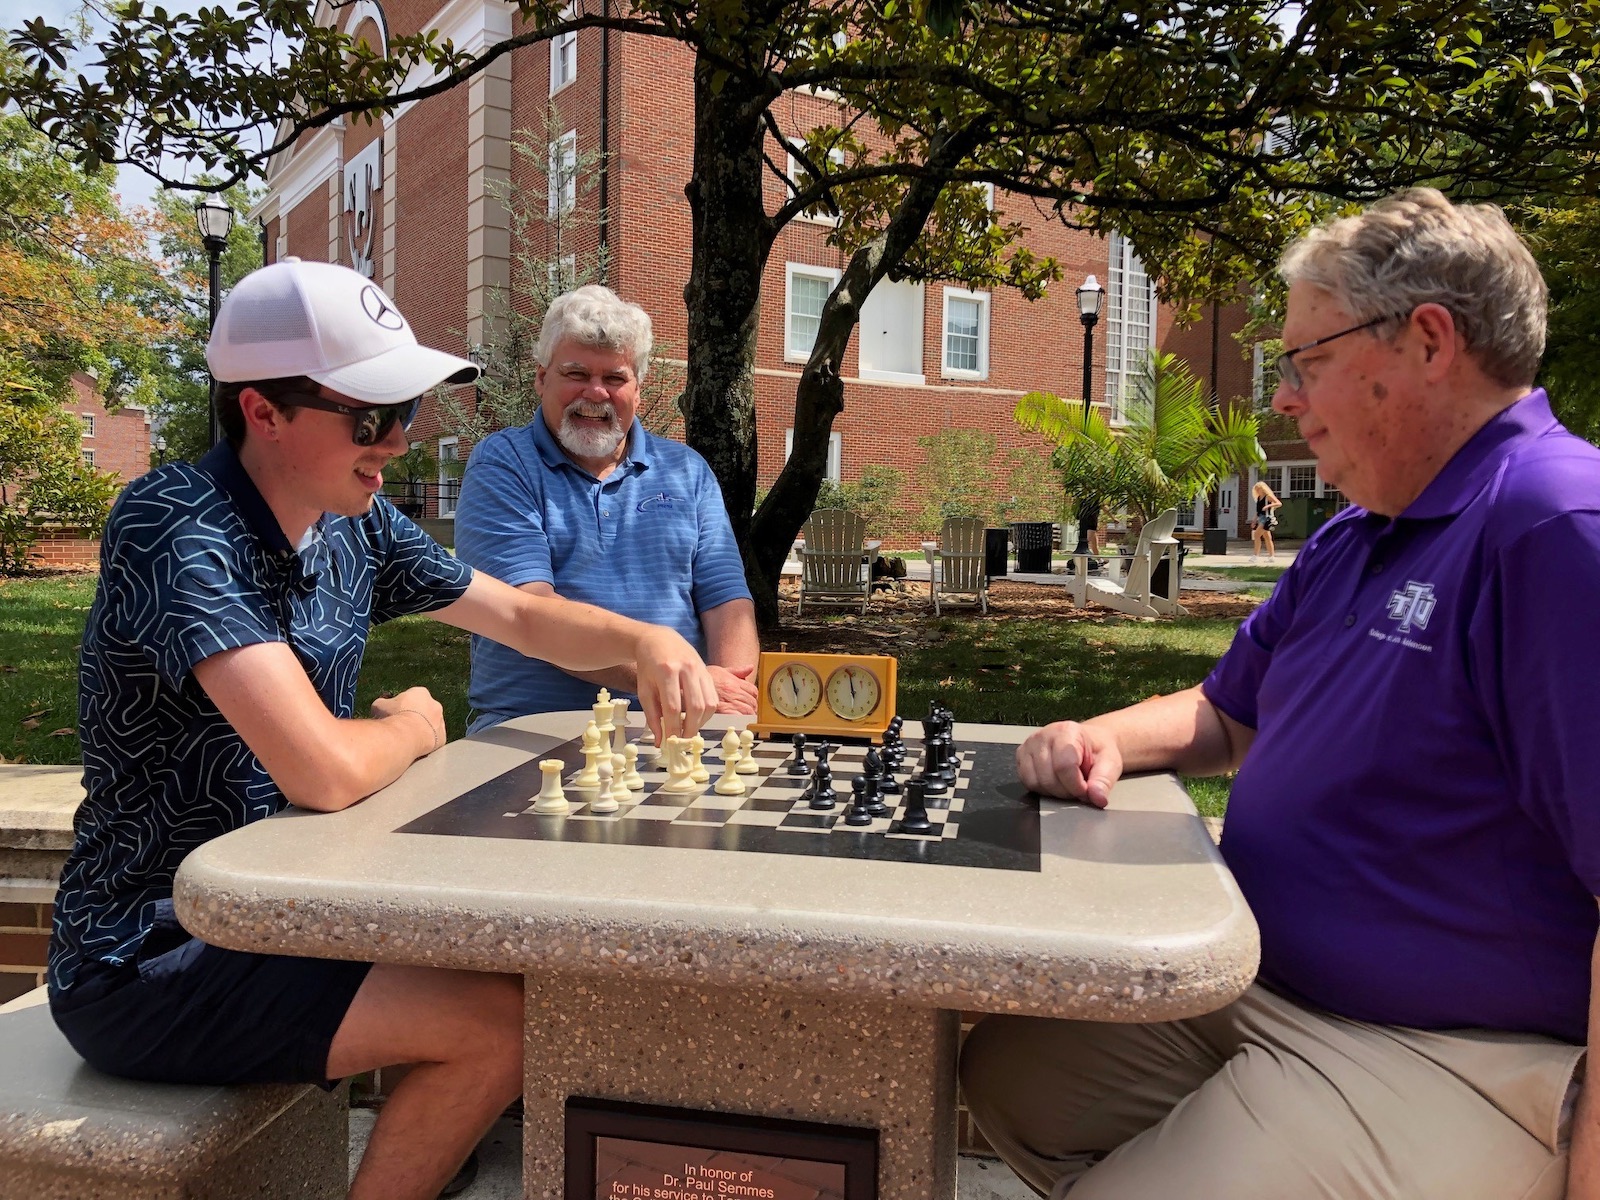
(88, 424)
(445, 480)
(983, 335)
(1117, 412)
(558, 44)
(566, 267)
(562, 176)
(831, 274)
(816, 216)
(833, 470)
(88, 454)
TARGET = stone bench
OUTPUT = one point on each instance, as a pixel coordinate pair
(68, 1132)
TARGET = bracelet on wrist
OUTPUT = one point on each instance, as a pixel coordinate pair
(432, 732)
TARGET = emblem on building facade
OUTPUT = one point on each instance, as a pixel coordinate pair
(363, 176)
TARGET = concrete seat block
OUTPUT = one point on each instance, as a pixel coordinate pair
(67, 1132)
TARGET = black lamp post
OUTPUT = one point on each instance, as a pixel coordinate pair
(1090, 297)
(161, 449)
(215, 220)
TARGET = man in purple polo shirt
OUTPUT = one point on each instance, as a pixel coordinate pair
(1414, 821)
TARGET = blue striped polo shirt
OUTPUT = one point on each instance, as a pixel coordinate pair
(193, 563)
(652, 542)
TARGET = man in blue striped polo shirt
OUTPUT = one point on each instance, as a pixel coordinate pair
(581, 502)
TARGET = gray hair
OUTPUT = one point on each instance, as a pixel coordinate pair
(596, 316)
(1416, 247)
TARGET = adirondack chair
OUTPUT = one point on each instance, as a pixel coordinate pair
(833, 566)
(1133, 595)
(956, 560)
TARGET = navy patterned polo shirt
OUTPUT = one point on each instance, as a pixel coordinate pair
(193, 563)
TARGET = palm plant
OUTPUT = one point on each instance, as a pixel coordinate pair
(1174, 446)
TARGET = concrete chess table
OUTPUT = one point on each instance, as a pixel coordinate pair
(717, 970)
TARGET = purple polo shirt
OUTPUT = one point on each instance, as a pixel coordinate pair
(1417, 824)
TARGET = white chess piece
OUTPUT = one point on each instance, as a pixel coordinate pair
(602, 716)
(606, 801)
(619, 721)
(730, 784)
(747, 755)
(551, 798)
(590, 775)
(630, 768)
(698, 771)
(679, 767)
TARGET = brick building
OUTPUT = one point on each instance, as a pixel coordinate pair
(413, 199)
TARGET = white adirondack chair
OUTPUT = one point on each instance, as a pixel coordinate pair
(1133, 595)
(956, 560)
(833, 566)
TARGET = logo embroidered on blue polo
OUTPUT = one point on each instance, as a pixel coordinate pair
(660, 499)
(1412, 605)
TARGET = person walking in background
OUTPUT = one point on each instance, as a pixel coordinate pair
(1266, 520)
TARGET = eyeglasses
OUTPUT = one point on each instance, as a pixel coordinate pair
(1289, 373)
(372, 422)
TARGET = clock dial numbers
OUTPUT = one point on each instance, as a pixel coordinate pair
(853, 693)
(795, 690)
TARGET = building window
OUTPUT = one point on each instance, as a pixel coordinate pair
(563, 56)
(800, 178)
(88, 424)
(889, 333)
(88, 455)
(835, 454)
(1302, 481)
(805, 294)
(562, 274)
(449, 482)
(1130, 324)
(563, 175)
(966, 334)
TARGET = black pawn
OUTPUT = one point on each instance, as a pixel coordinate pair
(916, 818)
(798, 764)
(859, 813)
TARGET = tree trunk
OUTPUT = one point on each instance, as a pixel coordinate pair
(732, 238)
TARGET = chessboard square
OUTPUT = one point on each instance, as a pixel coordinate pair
(787, 783)
(773, 804)
(674, 800)
(756, 816)
(713, 800)
(702, 816)
(817, 821)
(654, 812)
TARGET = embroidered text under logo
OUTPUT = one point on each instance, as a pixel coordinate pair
(1412, 605)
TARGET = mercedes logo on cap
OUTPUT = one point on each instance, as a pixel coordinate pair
(380, 310)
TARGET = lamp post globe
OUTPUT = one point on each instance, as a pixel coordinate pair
(214, 218)
(1091, 296)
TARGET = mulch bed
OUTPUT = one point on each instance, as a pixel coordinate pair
(904, 617)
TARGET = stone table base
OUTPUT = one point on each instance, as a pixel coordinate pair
(760, 1052)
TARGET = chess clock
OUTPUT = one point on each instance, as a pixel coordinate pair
(837, 695)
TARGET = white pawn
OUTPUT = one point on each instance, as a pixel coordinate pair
(590, 775)
(630, 768)
(747, 755)
(619, 721)
(605, 802)
(551, 798)
(730, 784)
(699, 772)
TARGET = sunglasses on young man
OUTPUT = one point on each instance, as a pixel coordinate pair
(372, 421)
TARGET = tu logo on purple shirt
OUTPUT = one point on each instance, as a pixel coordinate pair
(1412, 605)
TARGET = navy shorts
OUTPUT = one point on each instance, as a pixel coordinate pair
(186, 1012)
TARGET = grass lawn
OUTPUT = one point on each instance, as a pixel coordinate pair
(1248, 573)
(1019, 670)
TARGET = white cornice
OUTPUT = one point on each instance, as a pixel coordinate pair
(307, 167)
(473, 26)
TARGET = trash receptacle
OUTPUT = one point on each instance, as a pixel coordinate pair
(1301, 516)
(996, 547)
(1214, 540)
(1032, 539)
(1158, 577)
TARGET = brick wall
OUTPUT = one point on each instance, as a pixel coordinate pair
(120, 441)
(65, 547)
(24, 942)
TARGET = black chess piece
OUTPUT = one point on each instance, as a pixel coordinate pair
(798, 764)
(823, 797)
(874, 786)
(859, 813)
(949, 760)
(916, 818)
(934, 782)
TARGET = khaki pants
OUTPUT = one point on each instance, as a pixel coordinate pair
(1268, 1100)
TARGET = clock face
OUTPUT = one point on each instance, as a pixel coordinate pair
(795, 690)
(853, 693)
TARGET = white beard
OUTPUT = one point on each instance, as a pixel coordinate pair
(582, 441)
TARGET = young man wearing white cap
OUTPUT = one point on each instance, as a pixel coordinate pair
(217, 685)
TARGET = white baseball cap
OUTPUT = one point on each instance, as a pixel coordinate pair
(331, 324)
